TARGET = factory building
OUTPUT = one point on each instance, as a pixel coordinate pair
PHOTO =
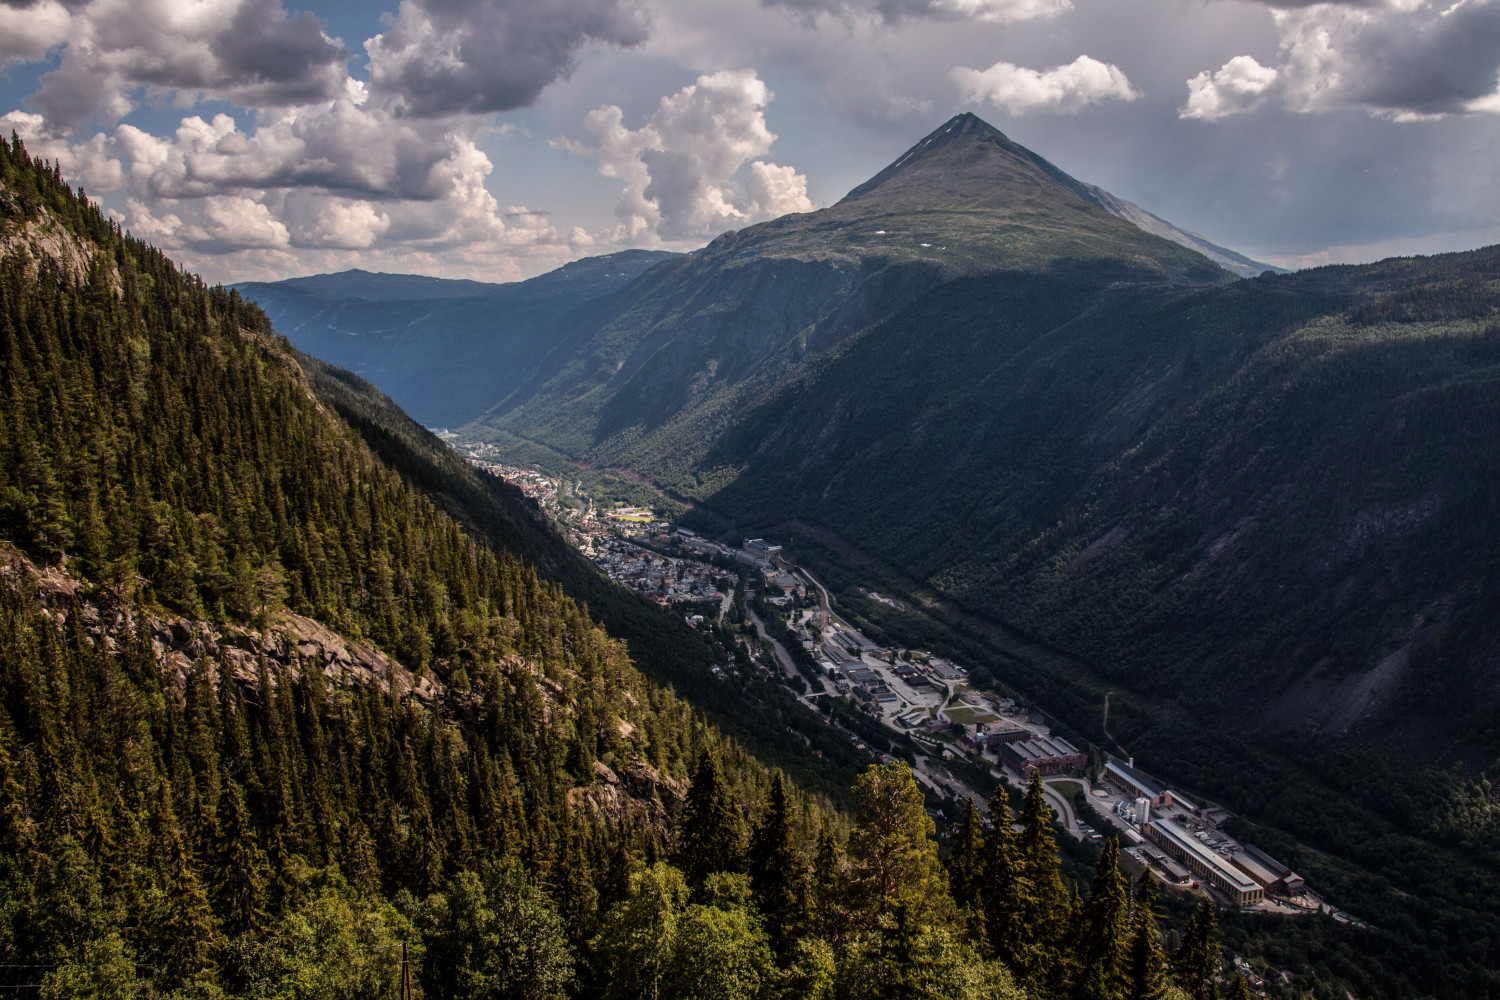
(1204, 862)
(762, 549)
(1270, 873)
(1135, 784)
(1174, 873)
(1049, 755)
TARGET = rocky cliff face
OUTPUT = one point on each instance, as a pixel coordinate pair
(291, 645)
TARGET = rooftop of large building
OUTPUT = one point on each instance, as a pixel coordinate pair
(1132, 776)
(1043, 748)
(1228, 873)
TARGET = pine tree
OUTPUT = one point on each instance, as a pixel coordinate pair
(966, 860)
(710, 837)
(1239, 988)
(892, 854)
(1148, 965)
(1196, 963)
(999, 887)
(1102, 943)
(778, 876)
(1042, 911)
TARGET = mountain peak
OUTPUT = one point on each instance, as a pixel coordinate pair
(970, 161)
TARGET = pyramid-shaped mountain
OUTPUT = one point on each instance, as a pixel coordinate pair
(970, 201)
(718, 327)
(969, 163)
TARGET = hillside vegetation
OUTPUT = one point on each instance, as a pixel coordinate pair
(282, 715)
(1260, 513)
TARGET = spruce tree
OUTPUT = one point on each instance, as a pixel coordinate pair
(966, 859)
(244, 876)
(1102, 944)
(710, 837)
(1148, 965)
(999, 875)
(829, 905)
(1196, 963)
(1042, 909)
(1239, 988)
(778, 877)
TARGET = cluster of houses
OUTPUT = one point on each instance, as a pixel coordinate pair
(538, 487)
(666, 579)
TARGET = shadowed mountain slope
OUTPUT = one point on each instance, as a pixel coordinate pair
(696, 340)
(447, 348)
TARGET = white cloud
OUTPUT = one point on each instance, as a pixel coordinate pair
(28, 32)
(330, 221)
(775, 191)
(250, 52)
(343, 176)
(679, 168)
(1401, 59)
(1240, 85)
(1064, 89)
(444, 57)
(237, 221)
(896, 11)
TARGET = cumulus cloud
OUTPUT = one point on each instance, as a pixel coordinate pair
(1241, 84)
(346, 175)
(1063, 89)
(895, 11)
(444, 57)
(250, 52)
(29, 30)
(680, 167)
(1402, 59)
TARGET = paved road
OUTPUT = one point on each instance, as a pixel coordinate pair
(784, 659)
(1063, 808)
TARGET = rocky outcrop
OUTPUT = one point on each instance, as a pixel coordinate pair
(292, 643)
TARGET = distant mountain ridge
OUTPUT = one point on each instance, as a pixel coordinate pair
(964, 200)
(405, 332)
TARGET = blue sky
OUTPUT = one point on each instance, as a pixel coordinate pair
(499, 138)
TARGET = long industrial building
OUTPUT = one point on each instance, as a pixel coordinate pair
(1269, 872)
(1135, 784)
(1047, 754)
(1203, 862)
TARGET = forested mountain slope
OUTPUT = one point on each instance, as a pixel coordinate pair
(761, 715)
(206, 738)
(663, 367)
(286, 711)
(1280, 489)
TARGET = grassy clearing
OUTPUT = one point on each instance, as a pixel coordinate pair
(964, 715)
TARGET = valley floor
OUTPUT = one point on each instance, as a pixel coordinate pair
(961, 739)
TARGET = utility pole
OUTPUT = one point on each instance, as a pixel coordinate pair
(405, 974)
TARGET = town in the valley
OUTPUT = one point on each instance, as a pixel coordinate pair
(958, 731)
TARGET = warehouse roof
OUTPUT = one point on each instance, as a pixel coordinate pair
(1133, 776)
(1191, 845)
